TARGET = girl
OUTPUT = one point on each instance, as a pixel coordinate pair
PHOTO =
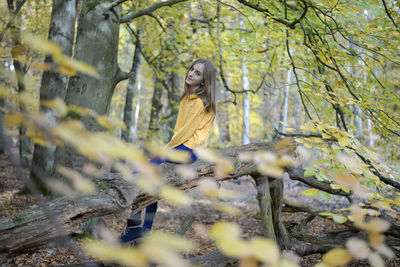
(195, 117)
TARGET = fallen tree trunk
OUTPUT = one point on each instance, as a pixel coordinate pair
(33, 227)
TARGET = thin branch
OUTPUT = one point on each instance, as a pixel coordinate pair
(148, 11)
(20, 4)
(291, 25)
(295, 75)
(390, 16)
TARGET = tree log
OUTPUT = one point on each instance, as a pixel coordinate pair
(32, 228)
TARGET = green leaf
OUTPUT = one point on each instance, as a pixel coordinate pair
(309, 173)
(325, 196)
(339, 219)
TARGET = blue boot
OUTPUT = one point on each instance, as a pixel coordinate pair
(133, 231)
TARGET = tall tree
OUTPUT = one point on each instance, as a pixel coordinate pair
(96, 44)
(130, 93)
(53, 84)
(20, 70)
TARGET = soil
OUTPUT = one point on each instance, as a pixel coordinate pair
(169, 218)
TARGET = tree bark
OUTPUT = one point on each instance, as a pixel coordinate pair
(130, 94)
(155, 107)
(33, 227)
(265, 204)
(53, 84)
(96, 44)
(20, 70)
(223, 114)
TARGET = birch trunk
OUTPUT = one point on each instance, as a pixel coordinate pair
(286, 101)
(137, 109)
(97, 45)
(246, 99)
(246, 108)
(53, 84)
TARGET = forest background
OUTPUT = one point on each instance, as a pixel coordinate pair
(322, 72)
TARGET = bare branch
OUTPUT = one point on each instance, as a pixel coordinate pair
(390, 16)
(148, 11)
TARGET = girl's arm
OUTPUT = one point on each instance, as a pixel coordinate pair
(189, 126)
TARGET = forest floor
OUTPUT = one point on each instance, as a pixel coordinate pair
(169, 218)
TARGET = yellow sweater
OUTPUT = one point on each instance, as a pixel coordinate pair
(193, 123)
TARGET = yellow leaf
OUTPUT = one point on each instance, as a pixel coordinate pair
(344, 141)
(225, 230)
(67, 70)
(161, 255)
(358, 215)
(377, 226)
(234, 248)
(56, 104)
(359, 248)
(14, 119)
(174, 196)
(248, 262)
(128, 256)
(26, 99)
(271, 170)
(312, 192)
(228, 209)
(173, 155)
(208, 187)
(207, 154)
(80, 110)
(337, 257)
(42, 66)
(41, 45)
(265, 250)
(376, 239)
(75, 65)
(3, 91)
(171, 241)
(105, 122)
(290, 130)
(375, 260)
(224, 167)
(82, 184)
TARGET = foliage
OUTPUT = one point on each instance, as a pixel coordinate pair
(343, 56)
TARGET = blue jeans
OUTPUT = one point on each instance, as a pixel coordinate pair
(151, 210)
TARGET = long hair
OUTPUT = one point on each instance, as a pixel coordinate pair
(206, 91)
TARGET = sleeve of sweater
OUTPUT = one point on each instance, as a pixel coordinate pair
(189, 126)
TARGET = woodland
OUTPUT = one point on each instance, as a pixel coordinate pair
(307, 91)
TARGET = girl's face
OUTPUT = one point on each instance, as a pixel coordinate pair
(195, 76)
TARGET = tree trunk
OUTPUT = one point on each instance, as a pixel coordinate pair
(130, 93)
(276, 192)
(173, 81)
(137, 109)
(20, 70)
(286, 101)
(53, 84)
(155, 107)
(97, 45)
(34, 227)
(265, 204)
(246, 98)
(223, 114)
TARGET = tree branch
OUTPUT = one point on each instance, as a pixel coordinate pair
(148, 11)
(390, 16)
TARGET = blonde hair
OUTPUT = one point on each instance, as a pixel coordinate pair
(206, 90)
